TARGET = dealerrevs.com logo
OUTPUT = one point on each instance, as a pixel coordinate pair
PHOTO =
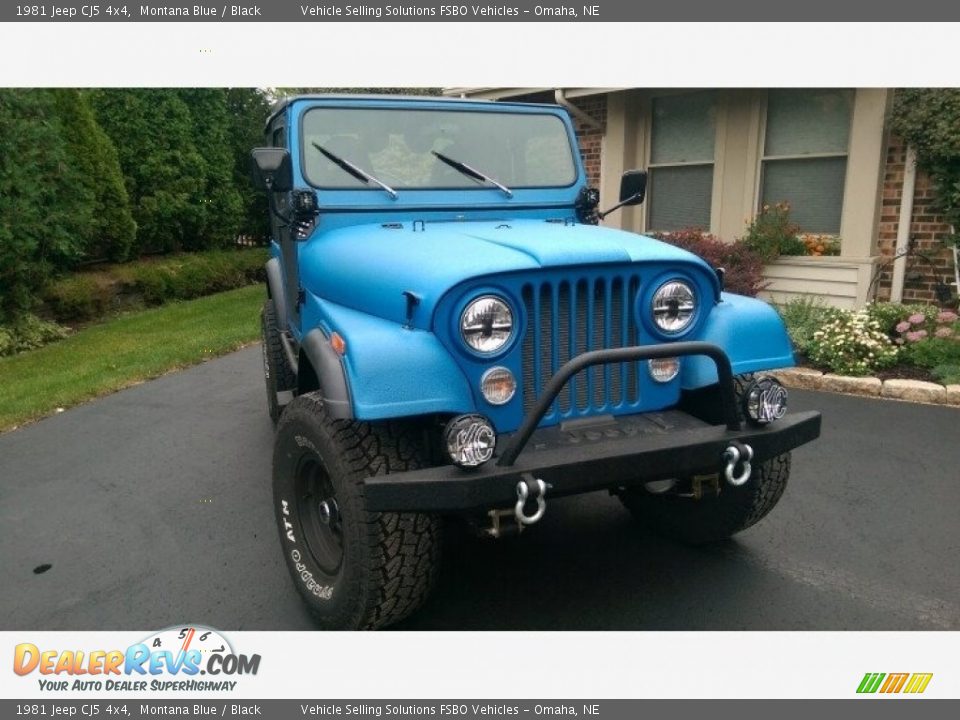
(171, 660)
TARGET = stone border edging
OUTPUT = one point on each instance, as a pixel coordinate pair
(911, 390)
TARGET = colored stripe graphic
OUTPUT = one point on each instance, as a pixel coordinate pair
(918, 682)
(894, 683)
(870, 682)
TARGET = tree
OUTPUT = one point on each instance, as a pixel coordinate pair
(152, 130)
(220, 198)
(45, 209)
(112, 230)
(248, 110)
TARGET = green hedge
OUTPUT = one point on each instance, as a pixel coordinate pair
(183, 277)
(78, 297)
(90, 295)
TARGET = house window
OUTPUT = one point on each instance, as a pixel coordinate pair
(682, 141)
(805, 155)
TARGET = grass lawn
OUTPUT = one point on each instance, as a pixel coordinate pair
(125, 350)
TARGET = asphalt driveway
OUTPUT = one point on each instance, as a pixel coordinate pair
(151, 507)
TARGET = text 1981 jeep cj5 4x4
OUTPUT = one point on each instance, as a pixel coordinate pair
(449, 332)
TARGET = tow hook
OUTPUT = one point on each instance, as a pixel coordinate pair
(530, 488)
(733, 455)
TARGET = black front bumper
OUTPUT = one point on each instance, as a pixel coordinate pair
(598, 453)
(578, 459)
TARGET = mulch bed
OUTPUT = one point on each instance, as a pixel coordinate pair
(897, 372)
(906, 372)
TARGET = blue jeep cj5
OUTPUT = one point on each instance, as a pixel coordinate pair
(448, 332)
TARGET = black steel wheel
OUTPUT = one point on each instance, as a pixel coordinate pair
(317, 505)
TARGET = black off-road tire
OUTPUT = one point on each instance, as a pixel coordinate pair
(387, 562)
(713, 518)
(277, 373)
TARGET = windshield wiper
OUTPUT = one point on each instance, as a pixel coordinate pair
(465, 169)
(352, 169)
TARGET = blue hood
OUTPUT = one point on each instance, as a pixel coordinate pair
(369, 267)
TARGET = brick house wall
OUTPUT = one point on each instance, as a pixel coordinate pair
(591, 138)
(930, 263)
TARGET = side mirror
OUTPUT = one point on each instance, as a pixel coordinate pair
(633, 187)
(271, 169)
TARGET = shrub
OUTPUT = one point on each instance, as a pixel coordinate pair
(188, 276)
(803, 317)
(889, 315)
(90, 295)
(744, 267)
(948, 373)
(771, 234)
(28, 333)
(931, 338)
(77, 297)
(852, 344)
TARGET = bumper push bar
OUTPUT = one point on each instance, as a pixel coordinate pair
(624, 451)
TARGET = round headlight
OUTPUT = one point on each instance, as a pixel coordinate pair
(673, 307)
(486, 324)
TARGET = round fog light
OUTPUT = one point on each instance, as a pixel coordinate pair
(470, 440)
(765, 401)
(664, 370)
(498, 386)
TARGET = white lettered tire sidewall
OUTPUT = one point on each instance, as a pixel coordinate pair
(333, 598)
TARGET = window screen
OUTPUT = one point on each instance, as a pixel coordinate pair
(805, 155)
(814, 189)
(683, 133)
(679, 197)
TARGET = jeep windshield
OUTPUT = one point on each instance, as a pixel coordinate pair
(405, 148)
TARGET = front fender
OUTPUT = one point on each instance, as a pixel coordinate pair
(393, 371)
(752, 334)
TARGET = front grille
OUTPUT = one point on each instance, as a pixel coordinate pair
(568, 318)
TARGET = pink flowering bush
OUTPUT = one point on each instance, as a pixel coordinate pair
(931, 339)
(921, 326)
